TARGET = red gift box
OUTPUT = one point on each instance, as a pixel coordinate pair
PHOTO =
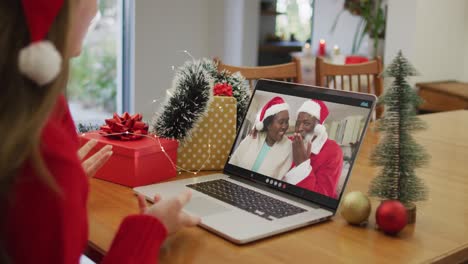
(136, 162)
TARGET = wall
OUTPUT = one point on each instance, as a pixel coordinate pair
(464, 76)
(162, 30)
(267, 24)
(432, 35)
(205, 28)
(241, 26)
(401, 28)
(233, 10)
(440, 40)
(216, 28)
(251, 19)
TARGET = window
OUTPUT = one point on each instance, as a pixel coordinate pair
(98, 83)
(297, 21)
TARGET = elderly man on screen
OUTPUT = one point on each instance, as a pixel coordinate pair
(317, 160)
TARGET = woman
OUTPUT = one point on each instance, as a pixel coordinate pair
(43, 184)
(269, 152)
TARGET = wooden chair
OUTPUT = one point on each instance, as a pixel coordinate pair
(363, 77)
(290, 72)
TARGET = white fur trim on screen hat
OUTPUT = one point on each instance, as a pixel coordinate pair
(315, 108)
(40, 61)
(274, 106)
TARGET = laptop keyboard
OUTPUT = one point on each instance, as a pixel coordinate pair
(247, 199)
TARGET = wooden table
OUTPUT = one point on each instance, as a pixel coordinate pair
(439, 235)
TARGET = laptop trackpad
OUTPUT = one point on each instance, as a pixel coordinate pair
(201, 206)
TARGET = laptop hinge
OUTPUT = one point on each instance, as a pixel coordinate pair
(279, 193)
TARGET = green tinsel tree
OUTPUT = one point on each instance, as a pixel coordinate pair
(191, 95)
(398, 153)
(188, 103)
(86, 127)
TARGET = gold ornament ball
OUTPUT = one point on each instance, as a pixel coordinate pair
(355, 208)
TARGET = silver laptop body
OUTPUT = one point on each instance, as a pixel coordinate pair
(288, 207)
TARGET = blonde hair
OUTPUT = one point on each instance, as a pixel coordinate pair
(24, 106)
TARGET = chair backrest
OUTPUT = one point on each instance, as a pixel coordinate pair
(290, 72)
(362, 77)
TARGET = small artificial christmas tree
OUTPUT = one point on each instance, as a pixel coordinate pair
(397, 153)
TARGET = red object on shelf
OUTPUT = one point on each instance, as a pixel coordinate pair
(355, 59)
(135, 162)
(322, 48)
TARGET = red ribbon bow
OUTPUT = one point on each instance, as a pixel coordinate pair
(125, 127)
(222, 89)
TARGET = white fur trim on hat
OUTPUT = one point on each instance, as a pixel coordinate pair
(310, 107)
(273, 110)
(40, 62)
(258, 124)
(321, 137)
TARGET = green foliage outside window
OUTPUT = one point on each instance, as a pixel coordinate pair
(295, 20)
(93, 77)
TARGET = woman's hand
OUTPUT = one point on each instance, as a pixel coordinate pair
(169, 211)
(92, 164)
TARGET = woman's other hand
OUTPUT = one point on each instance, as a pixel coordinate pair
(92, 164)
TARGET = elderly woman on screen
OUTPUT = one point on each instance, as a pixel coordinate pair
(268, 153)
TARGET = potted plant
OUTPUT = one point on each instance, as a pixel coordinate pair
(372, 22)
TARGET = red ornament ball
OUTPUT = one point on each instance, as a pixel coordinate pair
(391, 216)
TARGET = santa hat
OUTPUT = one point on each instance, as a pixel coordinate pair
(40, 61)
(315, 108)
(319, 110)
(274, 106)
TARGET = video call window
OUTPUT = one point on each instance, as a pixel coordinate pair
(267, 148)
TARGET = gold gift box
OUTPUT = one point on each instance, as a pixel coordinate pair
(211, 140)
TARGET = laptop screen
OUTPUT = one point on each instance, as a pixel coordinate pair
(299, 139)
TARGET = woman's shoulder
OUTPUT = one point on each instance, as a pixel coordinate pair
(260, 137)
(285, 144)
(58, 134)
(66, 118)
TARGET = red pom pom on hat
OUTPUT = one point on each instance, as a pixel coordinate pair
(40, 61)
(274, 106)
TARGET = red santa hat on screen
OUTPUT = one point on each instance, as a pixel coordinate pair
(274, 106)
(40, 61)
(315, 108)
(319, 110)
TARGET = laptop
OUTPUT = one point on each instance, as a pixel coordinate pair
(243, 203)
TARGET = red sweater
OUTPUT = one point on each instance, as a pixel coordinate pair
(45, 227)
(326, 170)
